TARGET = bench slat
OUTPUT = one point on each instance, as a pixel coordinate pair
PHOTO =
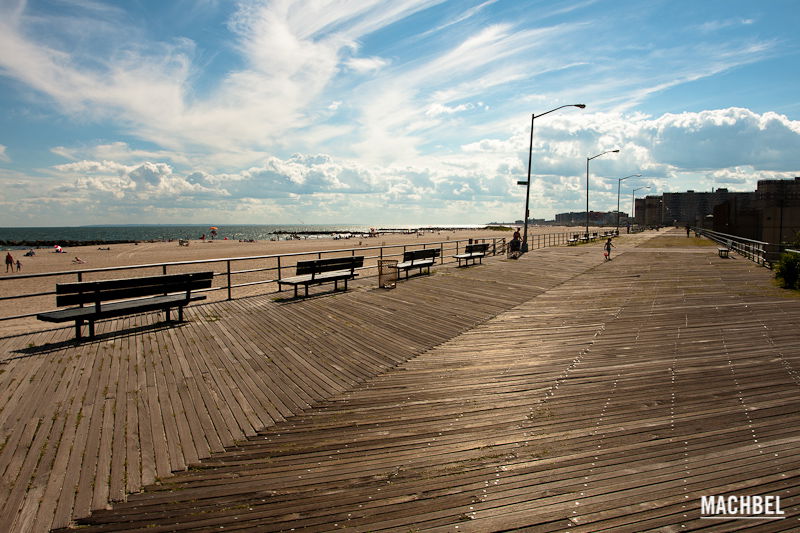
(320, 278)
(120, 283)
(129, 292)
(113, 309)
(316, 266)
(416, 263)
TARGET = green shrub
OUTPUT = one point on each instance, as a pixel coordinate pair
(788, 270)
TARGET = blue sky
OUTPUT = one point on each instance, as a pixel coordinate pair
(384, 111)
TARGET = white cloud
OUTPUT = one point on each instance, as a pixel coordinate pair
(439, 109)
(3, 155)
(94, 167)
(716, 25)
(670, 151)
(364, 65)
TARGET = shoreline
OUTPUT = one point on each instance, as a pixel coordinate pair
(38, 244)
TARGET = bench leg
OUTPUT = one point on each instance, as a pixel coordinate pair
(306, 290)
(166, 314)
(78, 326)
(91, 329)
(180, 314)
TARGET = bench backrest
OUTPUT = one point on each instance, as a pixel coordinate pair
(84, 292)
(318, 266)
(479, 248)
(417, 255)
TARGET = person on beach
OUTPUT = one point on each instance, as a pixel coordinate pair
(607, 247)
(78, 261)
(19, 265)
(9, 262)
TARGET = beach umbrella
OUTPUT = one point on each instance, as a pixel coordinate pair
(213, 227)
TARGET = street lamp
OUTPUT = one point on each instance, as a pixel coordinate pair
(619, 183)
(587, 183)
(633, 197)
(528, 183)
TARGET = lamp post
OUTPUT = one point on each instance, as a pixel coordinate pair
(633, 197)
(528, 183)
(587, 183)
(619, 184)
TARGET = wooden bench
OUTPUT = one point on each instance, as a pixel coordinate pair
(128, 296)
(573, 240)
(725, 249)
(472, 252)
(318, 271)
(418, 259)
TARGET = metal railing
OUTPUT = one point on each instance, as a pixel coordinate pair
(241, 272)
(235, 272)
(758, 251)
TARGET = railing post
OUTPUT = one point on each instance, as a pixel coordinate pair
(228, 262)
(441, 253)
(279, 268)
(164, 269)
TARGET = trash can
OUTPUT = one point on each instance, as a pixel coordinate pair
(387, 273)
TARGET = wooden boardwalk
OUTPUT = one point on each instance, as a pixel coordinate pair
(553, 393)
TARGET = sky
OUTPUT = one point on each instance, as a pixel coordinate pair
(385, 111)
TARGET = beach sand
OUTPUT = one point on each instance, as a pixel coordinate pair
(46, 260)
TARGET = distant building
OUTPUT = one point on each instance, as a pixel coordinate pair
(596, 218)
(771, 214)
(681, 208)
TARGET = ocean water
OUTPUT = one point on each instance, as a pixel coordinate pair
(14, 237)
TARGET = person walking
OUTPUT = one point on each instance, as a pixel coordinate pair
(607, 247)
(9, 262)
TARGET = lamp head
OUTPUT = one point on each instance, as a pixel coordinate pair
(581, 106)
(615, 151)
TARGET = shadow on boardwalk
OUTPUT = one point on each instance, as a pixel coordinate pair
(556, 392)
